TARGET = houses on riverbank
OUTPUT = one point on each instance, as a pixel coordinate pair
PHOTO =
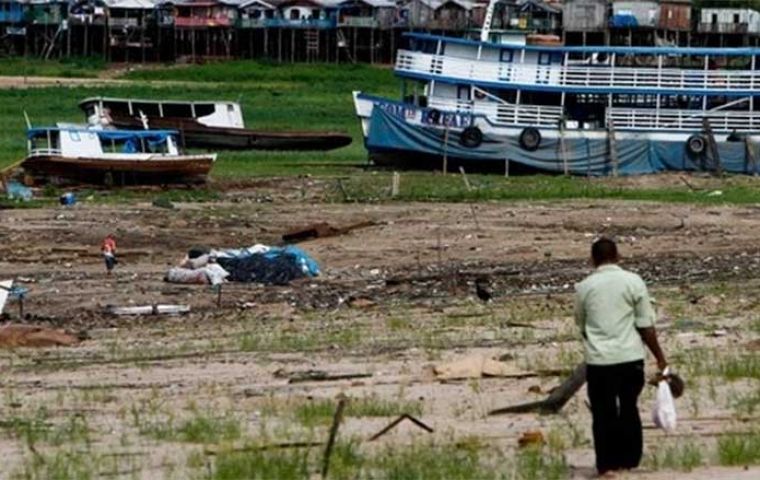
(346, 30)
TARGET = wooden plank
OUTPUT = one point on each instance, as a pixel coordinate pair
(555, 401)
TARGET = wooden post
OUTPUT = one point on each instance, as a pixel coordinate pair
(506, 168)
(562, 147)
(751, 159)
(612, 145)
(713, 146)
(337, 419)
(556, 400)
(445, 150)
(465, 179)
(396, 184)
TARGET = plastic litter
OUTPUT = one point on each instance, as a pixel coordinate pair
(67, 199)
(664, 412)
(16, 191)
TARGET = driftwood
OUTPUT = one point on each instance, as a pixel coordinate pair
(318, 376)
(215, 450)
(556, 400)
(321, 230)
(148, 310)
(400, 419)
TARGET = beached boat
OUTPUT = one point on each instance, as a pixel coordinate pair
(579, 110)
(112, 157)
(217, 125)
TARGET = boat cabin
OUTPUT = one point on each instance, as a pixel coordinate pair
(79, 142)
(103, 111)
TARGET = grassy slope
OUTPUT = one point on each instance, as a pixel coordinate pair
(69, 68)
(315, 97)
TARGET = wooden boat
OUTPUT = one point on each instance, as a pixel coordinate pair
(216, 125)
(112, 156)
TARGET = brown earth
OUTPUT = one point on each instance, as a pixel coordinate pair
(394, 299)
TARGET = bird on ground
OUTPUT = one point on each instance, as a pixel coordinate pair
(483, 290)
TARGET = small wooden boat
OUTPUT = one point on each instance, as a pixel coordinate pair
(217, 125)
(112, 156)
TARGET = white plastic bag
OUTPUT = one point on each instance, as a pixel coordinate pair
(664, 413)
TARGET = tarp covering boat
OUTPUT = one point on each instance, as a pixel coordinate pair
(585, 156)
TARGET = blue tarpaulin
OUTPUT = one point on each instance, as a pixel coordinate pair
(584, 156)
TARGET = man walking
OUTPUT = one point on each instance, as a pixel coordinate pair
(616, 319)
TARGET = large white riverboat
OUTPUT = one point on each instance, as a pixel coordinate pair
(580, 110)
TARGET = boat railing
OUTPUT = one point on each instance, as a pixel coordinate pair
(585, 77)
(44, 152)
(501, 112)
(684, 120)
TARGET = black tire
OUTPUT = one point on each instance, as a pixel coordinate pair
(696, 144)
(434, 116)
(530, 139)
(471, 137)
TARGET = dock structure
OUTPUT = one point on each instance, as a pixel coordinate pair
(350, 31)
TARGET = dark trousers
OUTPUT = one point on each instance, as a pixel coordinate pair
(613, 391)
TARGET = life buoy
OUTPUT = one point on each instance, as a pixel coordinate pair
(696, 144)
(434, 116)
(530, 139)
(471, 137)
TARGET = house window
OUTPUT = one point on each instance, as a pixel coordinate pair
(506, 55)
(714, 18)
(294, 14)
(736, 18)
(547, 58)
(463, 92)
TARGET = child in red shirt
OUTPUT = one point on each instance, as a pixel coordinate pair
(109, 252)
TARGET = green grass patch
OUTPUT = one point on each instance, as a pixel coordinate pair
(683, 457)
(74, 67)
(201, 427)
(431, 186)
(321, 411)
(738, 449)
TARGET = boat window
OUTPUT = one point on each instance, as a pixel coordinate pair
(506, 55)
(181, 110)
(463, 92)
(118, 108)
(547, 58)
(74, 136)
(150, 109)
(204, 109)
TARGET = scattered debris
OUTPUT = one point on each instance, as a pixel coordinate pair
(18, 335)
(317, 376)
(148, 310)
(162, 202)
(556, 399)
(361, 303)
(397, 421)
(5, 288)
(321, 230)
(17, 191)
(478, 366)
(721, 332)
(67, 199)
(531, 438)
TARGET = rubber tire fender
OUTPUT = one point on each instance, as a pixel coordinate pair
(434, 116)
(530, 139)
(471, 137)
(696, 144)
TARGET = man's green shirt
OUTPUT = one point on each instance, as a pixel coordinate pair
(610, 304)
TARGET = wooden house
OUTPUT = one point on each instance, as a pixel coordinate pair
(307, 14)
(46, 12)
(255, 13)
(584, 15)
(634, 14)
(204, 14)
(204, 28)
(12, 16)
(367, 13)
(675, 15)
(536, 16)
(729, 21)
(439, 14)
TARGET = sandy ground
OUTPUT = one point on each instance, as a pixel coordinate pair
(395, 299)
